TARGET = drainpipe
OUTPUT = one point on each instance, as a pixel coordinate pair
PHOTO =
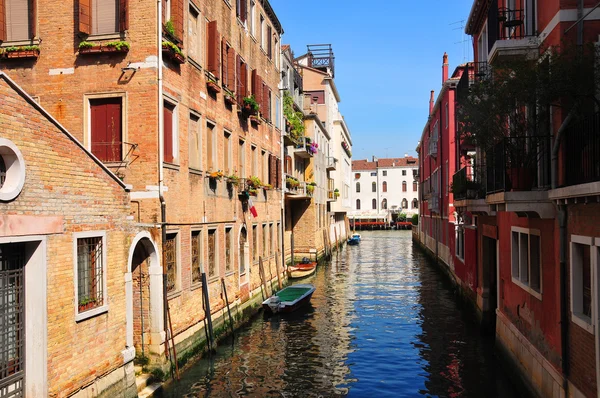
(564, 321)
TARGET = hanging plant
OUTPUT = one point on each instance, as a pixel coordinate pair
(294, 119)
(254, 182)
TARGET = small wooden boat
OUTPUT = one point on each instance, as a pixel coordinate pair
(302, 270)
(289, 299)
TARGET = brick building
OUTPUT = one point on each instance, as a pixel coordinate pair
(537, 222)
(183, 105)
(65, 236)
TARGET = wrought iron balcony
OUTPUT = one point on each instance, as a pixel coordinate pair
(518, 164)
(581, 144)
(469, 183)
(321, 57)
(305, 148)
(515, 24)
(433, 147)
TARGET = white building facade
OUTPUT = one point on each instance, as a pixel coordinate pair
(382, 187)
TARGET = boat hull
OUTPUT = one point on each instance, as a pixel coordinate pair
(301, 270)
(275, 304)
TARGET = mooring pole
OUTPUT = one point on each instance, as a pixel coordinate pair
(227, 302)
(207, 314)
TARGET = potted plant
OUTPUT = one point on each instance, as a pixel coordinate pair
(233, 179)
(313, 148)
(336, 193)
(310, 187)
(253, 192)
(216, 175)
(229, 97)
(119, 46)
(291, 182)
(254, 182)
(212, 85)
(21, 52)
(173, 52)
(250, 106)
(86, 303)
(267, 186)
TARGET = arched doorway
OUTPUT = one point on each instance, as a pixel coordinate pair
(143, 293)
(244, 253)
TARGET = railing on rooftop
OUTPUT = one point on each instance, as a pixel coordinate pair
(582, 151)
(320, 56)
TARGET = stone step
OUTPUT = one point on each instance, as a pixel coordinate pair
(142, 381)
(149, 391)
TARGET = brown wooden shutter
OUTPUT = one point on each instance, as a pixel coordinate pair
(266, 106)
(177, 17)
(278, 172)
(243, 10)
(231, 69)
(33, 19)
(85, 16)
(272, 170)
(224, 61)
(2, 21)
(239, 87)
(123, 15)
(106, 129)
(168, 134)
(256, 87)
(213, 49)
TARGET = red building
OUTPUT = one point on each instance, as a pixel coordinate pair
(538, 224)
(450, 237)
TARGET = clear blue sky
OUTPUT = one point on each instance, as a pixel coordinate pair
(388, 57)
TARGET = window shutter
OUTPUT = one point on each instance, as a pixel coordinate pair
(278, 173)
(85, 16)
(256, 88)
(266, 106)
(123, 15)
(231, 69)
(2, 21)
(239, 88)
(272, 170)
(32, 19)
(213, 49)
(269, 42)
(243, 10)
(177, 17)
(224, 76)
(168, 134)
(106, 129)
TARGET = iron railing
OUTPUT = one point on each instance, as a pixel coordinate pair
(518, 164)
(582, 151)
(469, 183)
(321, 57)
(515, 24)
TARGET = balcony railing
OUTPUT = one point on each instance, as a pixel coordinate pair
(518, 164)
(331, 163)
(305, 148)
(433, 147)
(469, 183)
(515, 24)
(582, 151)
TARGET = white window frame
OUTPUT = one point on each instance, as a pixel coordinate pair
(217, 265)
(263, 33)
(87, 119)
(517, 279)
(175, 127)
(577, 317)
(104, 307)
(200, 140)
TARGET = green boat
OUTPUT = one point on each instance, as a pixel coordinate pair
(289, 299)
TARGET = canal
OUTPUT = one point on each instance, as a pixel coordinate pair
(383, 322)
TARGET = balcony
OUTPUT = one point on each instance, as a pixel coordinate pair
(433, 203)
(331, 163)
(433, 147)
(515, 31)
(469, 189)
(332, 192)
(296, 189)
(305, 148)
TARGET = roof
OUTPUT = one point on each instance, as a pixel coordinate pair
(52, 120)
(477, 16)
(407, 161)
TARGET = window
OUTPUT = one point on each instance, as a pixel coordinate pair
(384, 186)
(384, 173)
(255, 243)
(403, 186)
(404, 203)
(374, 187)
(277, 112)
(228, 249)
(265, 243)
(240, 10)
(213, 269)
(403, 172)
(170, 132)
(197, 256)
(414, 186)
(106, 128)
(254, 161)
(374, 204)
(269, 42)
(263, 32)
(415, 204)
(526, 261)
(242, 159)
(195, 146)
(171, 262)
(16, 24)
(211, 144)
(227, 153)
(252, 17)
(358, 187)
(271, 240)
(374, 174)
(91, 272)
(384, 204)
(459, 242)
(357, 204)
(194, 38)
(581, 281)
(415, 172)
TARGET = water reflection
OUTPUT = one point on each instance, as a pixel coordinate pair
(381, 323)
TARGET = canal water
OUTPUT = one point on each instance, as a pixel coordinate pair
(382, 322)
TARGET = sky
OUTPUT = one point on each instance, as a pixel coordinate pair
(388, 57)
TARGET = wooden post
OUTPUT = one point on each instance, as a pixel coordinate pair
(207, 314)
(336, 239)
(262, 275)
(279, 285)
(227, 302)
(173, 344)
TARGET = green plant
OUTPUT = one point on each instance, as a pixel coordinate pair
(170, 28)
(268, 186)
(336, 192)
(251, 101)
(158, 374)
(233, 179)
(292, 182)
(169, 45)
(85, 44)
(12, 49)
(310, 189)
(415, 219)
(119, 45)
(254, 182)
(294, 118)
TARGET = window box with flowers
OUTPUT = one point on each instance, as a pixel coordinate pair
(20, 52)
(346, 148)
(233, 180)
(216, 175)
(173, 52)
(249, 106)
(229, 97)
(254, 182)
(292, 183)
(86, 47)
(211, 84)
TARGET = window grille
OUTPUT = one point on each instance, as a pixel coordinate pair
(212, 261)
(196, 257)
(228, 261)
(90, 271)
(171, 262)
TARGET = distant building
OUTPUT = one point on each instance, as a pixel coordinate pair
(383, 187)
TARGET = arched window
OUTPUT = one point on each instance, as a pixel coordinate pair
(358, 187)
(415, 204)
(374, 186)
(374, 204)
(384, 186)
(404, 203)
(384, 204)
(403, 186)
(357, 204)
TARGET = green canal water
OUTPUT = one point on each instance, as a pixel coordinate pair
(382, 322)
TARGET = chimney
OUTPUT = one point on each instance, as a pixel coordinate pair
(445, 69)
(431, 103)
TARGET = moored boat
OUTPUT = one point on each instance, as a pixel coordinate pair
(289, 299)
(354, 239)
(302, 270)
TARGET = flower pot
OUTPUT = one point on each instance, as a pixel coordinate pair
(229, 99)
(255, 119)
(103, 49)
(173, 55)
(22, 54)
(213, 86)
